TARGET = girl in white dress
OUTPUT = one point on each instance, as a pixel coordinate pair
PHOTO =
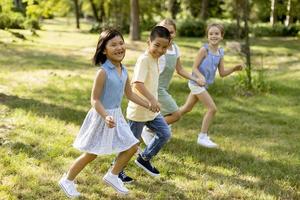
(104, 130)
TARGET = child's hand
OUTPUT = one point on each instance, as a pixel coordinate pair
(201, 81)
(154, 106)
(238, 67)
(110, 121)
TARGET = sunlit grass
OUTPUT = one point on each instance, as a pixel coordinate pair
(45, 85)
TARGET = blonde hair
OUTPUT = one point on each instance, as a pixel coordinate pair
(167, 21)
(219, 26)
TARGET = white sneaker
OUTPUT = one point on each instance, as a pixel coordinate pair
(147, 135)
(68, 187)
(205, 141)
(113, 181)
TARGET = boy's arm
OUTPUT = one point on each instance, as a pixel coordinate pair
(199, 57)
(134, 97)
(154, 105)
(225, 72)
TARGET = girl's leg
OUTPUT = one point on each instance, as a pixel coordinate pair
(123, 159)
(173, 117)
(79, 164)
(210, 105)
(189, 104)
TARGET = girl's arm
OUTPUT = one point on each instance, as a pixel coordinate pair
(181, 71)
(154, 105)
(134, 97)
(95, 102)
(225, 72)
(199, 57)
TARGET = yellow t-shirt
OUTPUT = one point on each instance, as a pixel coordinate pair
(145, 71)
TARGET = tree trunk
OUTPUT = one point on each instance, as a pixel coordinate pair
(273, 15)
(288, 12)
(204, 8)
(174, 8)
(101, 12)
(77, 14)
(94, 8)
(134, 20)
(247, 44)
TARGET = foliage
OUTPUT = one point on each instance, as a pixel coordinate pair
(191, 28)
(11, 20)
(278, 29)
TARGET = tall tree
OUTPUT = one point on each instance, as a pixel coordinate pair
(77, 13)
(247, 43)
(94, 9)
(174, 8)
(134, 20)
(273, 15)
(288, 12)
(204, 10)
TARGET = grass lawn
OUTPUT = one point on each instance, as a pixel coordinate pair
(45, 85)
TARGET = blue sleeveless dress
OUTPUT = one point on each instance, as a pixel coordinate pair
(94, 136)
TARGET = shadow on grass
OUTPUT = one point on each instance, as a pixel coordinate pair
(43, 109)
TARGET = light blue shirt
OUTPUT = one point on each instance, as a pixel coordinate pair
(114, 86)
(209, 65)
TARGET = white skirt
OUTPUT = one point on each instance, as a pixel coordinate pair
(96, 138)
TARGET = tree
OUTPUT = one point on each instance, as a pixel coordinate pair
(134, 20)
(77, 13)
(288, 12)
(273, 14)
(247, 43)
(204, 8)
(94, 9)
(174, 8)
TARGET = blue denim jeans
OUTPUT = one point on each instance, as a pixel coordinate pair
(162, 134)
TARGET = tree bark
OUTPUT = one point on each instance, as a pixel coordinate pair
(77, 14)
(94, 8)
(203, 11)
(288, 12)
(273, 15)
(134, 20)
(247, 44)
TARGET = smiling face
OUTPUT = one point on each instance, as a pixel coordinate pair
(171, 29)
(158, 46)
(214, 36)
(115, 50)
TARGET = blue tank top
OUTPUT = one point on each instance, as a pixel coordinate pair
(114, 86)
(209, 65)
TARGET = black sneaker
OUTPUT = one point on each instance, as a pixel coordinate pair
(124, 178)
(146, 165)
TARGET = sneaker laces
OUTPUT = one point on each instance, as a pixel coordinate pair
(122, 174)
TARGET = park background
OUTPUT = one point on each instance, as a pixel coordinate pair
(46, 77)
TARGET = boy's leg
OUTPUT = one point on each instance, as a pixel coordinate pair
(136, 128)
(163, 134)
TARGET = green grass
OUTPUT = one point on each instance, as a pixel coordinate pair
(45, 85)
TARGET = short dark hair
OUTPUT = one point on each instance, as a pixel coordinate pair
(160, 31)
(104, 37)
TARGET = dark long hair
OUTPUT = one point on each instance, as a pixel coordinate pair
(104, 37)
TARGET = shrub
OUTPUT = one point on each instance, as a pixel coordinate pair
(261, 30)
(191, 28)
(11, 20)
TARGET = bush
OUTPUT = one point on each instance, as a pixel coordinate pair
(191, 28)
(261, 30)
(32, 24)
(98, 27)
(11, 20)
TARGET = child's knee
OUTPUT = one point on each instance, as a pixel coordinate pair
(213, 109)
(134, 148)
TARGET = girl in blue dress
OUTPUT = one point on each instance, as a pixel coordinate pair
(209, 58)
(104, 130)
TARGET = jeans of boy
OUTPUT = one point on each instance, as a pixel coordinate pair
(161, 130)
